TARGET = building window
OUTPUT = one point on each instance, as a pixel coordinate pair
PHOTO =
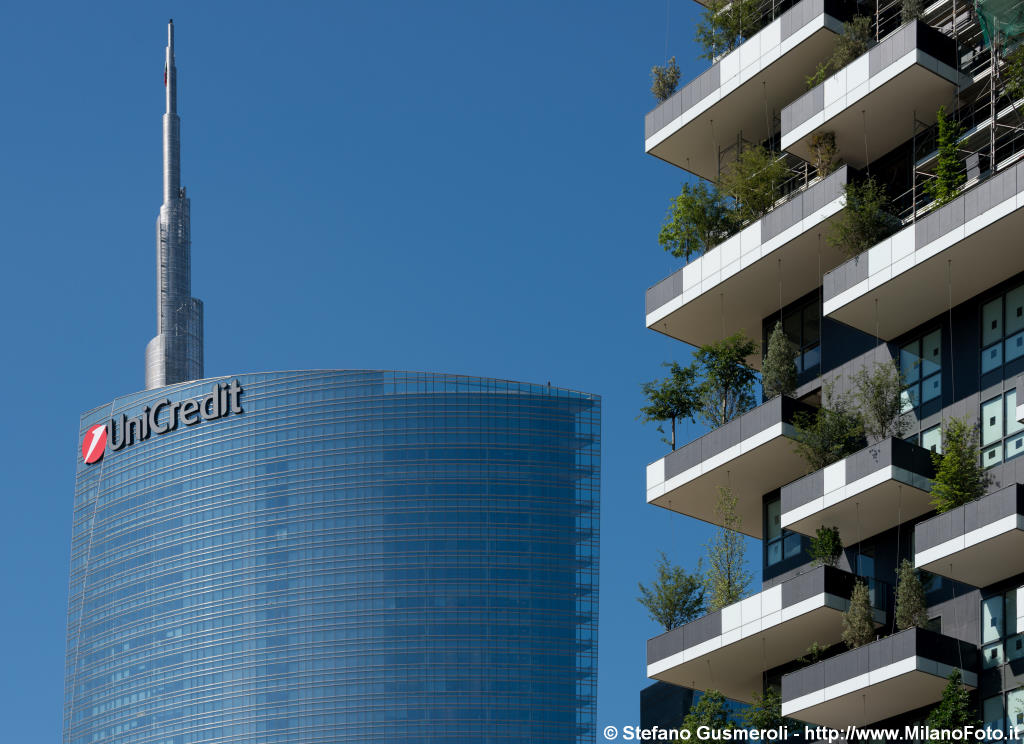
(779, 544)
(1002, 330)
(921, 367)
(1002, 436)
(802, 325)
(1000, 641)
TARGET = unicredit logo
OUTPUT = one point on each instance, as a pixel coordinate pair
(94, 443)
(160, 418)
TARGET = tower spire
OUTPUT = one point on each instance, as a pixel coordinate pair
(175, 354)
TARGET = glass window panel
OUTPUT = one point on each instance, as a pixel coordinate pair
(1015, 647)
(774, 519)
(1014, 311)
(811, 324)
(774, 552)
(931, 388)
(793, 544)
(992, 322)
(992, 713)
(791, 327)
(910, 398)
(991, 421)
(991, 358)
(1014, 447)
(992, 610)
(910, 362)
(931, 353)
(1010, 612)
(1015, 346)
(866, 565)
(931, 439)
(1012, 424)
(992, 656)
(912, 439)
(812, 357)
(991, 456)
(1015, 709)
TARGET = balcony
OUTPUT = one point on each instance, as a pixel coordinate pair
(728, 650)
(893, 675)
(871, 104)
(688, 129)
(738, 280)
(943, 259)
(752, 454)
(978, 543)
(864, 494)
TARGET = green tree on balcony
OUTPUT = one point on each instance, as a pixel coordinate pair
(954, 711)
(877, 395)
(959, 477)
(672, 398)
(826, 546)
(830, 433)
(866, 219)
(911, 610)
(778, 371)
(765, 713)
(698, 219)
(949, 170)
(727, 386)
(664, 80)
(724, 25)
(854, 41)
(709, 712)
(858, 620)
(753, 182)
(676, 597)
(727, 579)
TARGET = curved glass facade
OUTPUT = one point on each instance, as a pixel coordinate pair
(358, 557)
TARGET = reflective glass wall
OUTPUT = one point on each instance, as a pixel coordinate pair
(358, 557)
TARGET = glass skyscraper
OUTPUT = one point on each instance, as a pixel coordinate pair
(345, 556)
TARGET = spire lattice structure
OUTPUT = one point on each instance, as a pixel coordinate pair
(175, 354)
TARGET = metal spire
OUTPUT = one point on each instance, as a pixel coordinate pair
(175, 354)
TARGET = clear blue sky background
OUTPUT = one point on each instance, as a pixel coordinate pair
(453, 187)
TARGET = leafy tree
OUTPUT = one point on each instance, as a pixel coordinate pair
(824, 153)
(753, 182)
(725, 25)
(727, 387)
(852, 43)
(954, 711)
(959, 477)
(949, 171)
(911, 611)
(765, 713)
(858, 620)
(866, 219)
(778, 372)
(664, 80)
(830, 433)
(911, 10)
(676, 597)
(727, 579)
(877, 396)
(814, 653)
(826, 546)
(1012, 73)
(697, 220)
(710, 711)
(672, 398)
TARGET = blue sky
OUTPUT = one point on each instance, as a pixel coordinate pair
(454, 187)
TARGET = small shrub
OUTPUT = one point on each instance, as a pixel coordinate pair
(813, 654)
(778, 372)
(697, 220)
(824, 152)
(959, 477)
(911, 611)
(1012, 73)
(725, 25)
(826, 546)
(858, 622)
(664, 80)
(911, 10)
(866, 220)
(852, 43)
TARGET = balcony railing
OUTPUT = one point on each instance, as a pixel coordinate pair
(752, 454)
(864, 494)
(893, 675)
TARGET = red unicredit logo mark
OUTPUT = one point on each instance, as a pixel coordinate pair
(94, 443)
